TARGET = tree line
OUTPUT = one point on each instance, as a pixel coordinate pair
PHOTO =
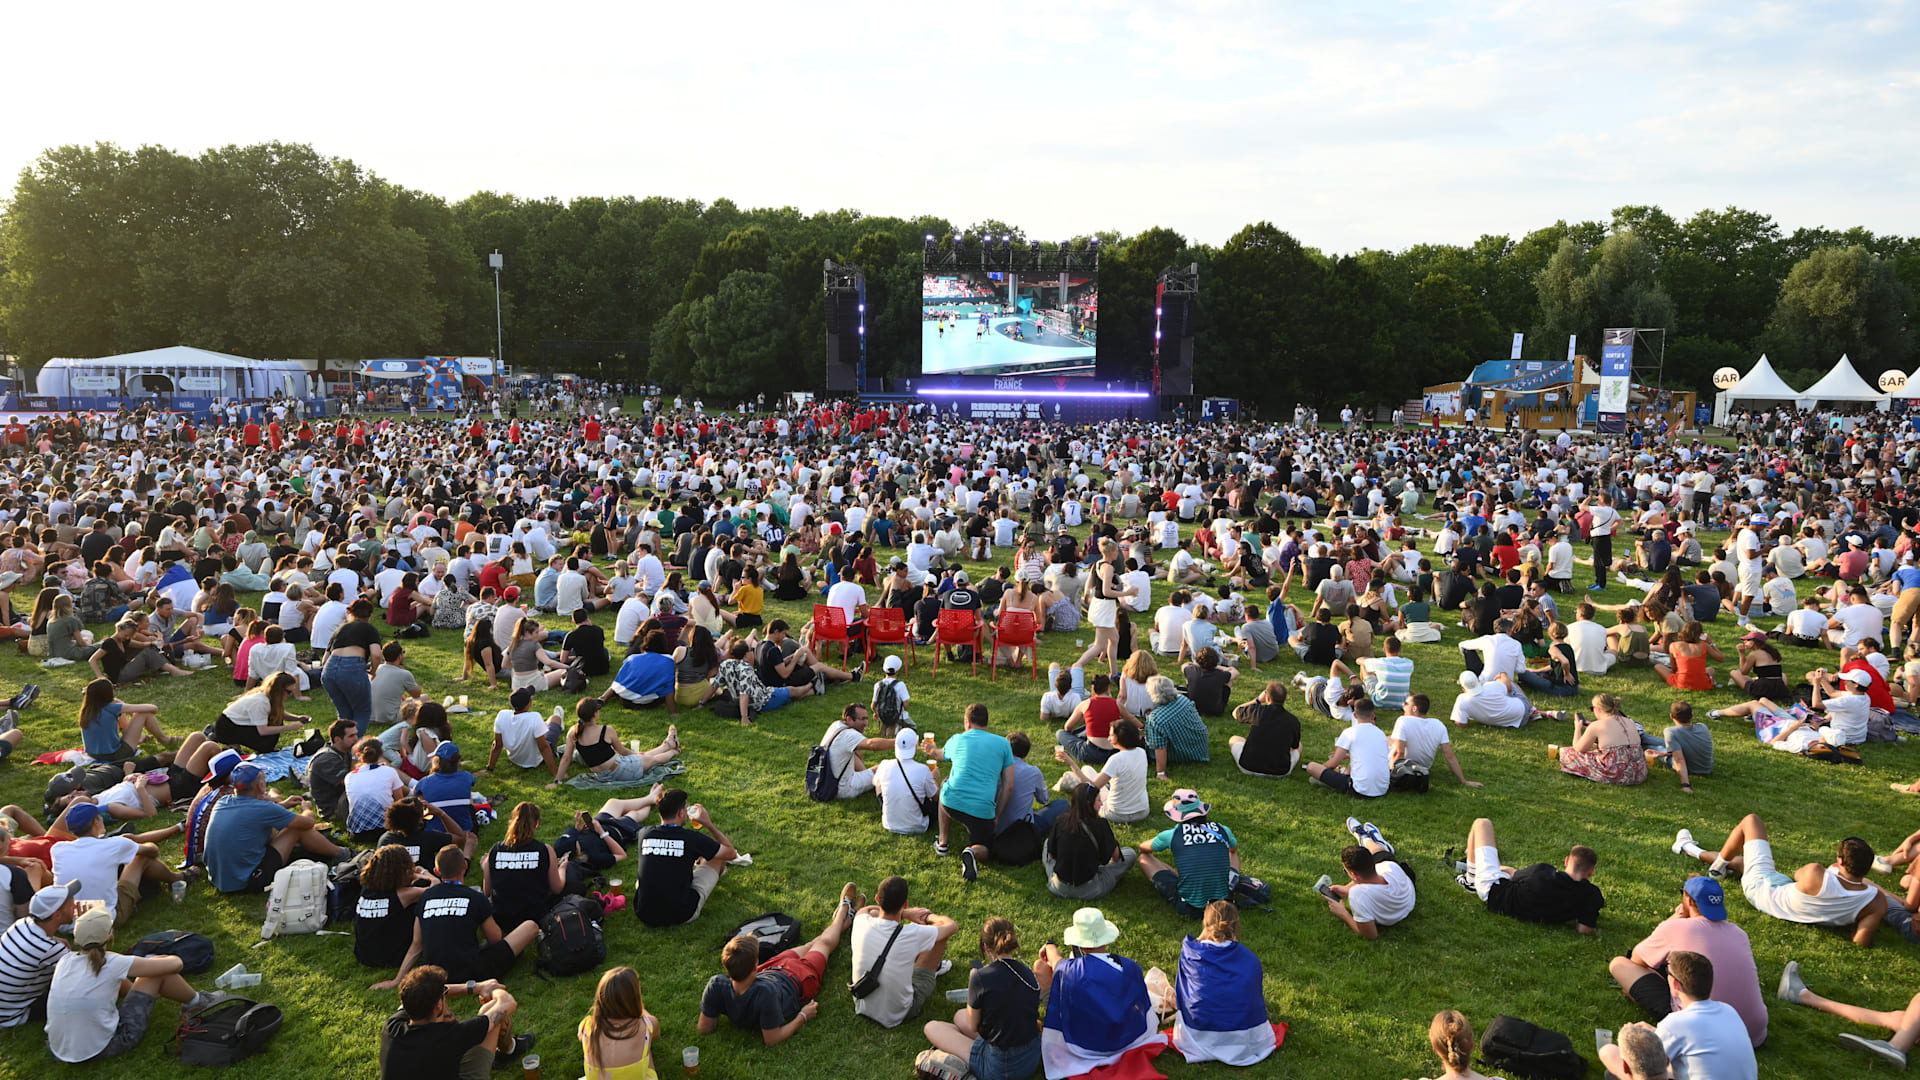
(275, 250)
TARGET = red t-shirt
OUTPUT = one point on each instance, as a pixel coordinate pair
(1878, 694)
(1101, 713)
(593, 431)
(251, 434)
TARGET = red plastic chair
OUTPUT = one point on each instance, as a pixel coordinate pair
(959, 627)
(1017, 630)
(888, 626)
(829, 626)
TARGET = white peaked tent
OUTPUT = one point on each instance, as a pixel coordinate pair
(1912, 390)
(1841, 384)
(1760, 384)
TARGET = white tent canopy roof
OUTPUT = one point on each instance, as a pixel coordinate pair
(1841, 384)
(172, 356)
(1760, 384)
(1912, 390)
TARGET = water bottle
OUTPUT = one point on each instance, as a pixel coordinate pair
(227, 977)
(242, 981)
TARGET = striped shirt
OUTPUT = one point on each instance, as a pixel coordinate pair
(27, 959)
(1388, 680)
(1177, 727)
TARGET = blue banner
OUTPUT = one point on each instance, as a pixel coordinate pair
(1616, 378)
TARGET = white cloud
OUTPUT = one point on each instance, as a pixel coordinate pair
(1376, 124)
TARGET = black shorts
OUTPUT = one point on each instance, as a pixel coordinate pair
(492, 960)
(623, 828)
(262, 877)
(1650, 993)
(1343, 783)
(980, 832)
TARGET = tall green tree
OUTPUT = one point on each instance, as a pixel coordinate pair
(1842, 300)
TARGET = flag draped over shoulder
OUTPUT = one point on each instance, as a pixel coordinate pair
(1223, 1007)
(1097, 1010)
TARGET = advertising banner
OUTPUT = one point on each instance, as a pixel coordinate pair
(1616, 378)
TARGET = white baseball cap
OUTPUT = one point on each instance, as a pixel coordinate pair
(890, 665)
(1857, 677)
(904, 742)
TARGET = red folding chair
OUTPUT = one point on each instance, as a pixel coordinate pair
(957, 627)
(888, 626)
(1017, 630)
(829, 626)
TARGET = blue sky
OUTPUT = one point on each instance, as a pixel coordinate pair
(1356, 125)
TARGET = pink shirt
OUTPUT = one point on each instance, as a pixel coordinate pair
(1735, 980)
(240, 657)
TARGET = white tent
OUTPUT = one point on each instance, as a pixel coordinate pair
(1760, 384)
(1841, 384)
(179, 369)
(1912, 390)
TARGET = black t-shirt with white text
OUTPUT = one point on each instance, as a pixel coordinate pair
(517, 878)
(382, 929)
(451, 915)
(663, 888)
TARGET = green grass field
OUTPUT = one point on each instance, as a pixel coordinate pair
(1356, 1008)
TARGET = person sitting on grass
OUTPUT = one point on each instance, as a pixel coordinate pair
(980, 780)
(1087, 735)
(112, 730)
(249, 837)
(1362, 747)
(679, 866)
(423, 1041)
(99, 1003)
(998, 1030)
(1098, 1007)
(1271, 746)
(1537, 893)
(1378, 893)
(1606, 751)
(1451, 1037)
(617, 1037)
(1904, 1024)
(1699, 925)
(1417, 739)
(391, 881)
(452, 913)
(521, 875)
(1638, 1056)
(1838, 896)
(1702, 1037)
(1175, 731)
(1121, 781)
(1205, 857)
(1219, 1011)
(1496, 702)
(907, 971)
(598, 746)
(111, 870)
(779, 997)
(525, 735)
(1685, 745)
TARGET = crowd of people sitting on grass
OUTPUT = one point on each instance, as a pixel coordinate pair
(292, 555)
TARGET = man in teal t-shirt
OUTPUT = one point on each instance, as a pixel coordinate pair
(979, 782)
(1205, 857)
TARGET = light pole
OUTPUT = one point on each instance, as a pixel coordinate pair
(499, 334)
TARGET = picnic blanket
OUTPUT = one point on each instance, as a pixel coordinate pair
(659, 774)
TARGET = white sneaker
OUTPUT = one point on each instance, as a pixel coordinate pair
(1881, 865)
(1680, 841)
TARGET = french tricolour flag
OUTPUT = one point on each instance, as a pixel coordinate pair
(1097, 1010)
(1223, 1008)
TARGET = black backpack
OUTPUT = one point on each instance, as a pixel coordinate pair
(823, 785)
(227, 1033)
(194, 950)
(776, 931)
(1531, 1052)
(571, 941)
(886, 704)
(343, 888)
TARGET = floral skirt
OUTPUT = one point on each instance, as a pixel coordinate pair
(1623, 765)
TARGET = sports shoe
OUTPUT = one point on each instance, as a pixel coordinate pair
(1371, 832)
(1879, 1048)
(1881, 865)
(1353, 829)
(1324, 887)
(945, 966)
(940, 849)
(511, 1059)
(1791, 984)
(1680, 841)
(969, 864)
(9, 721)
(213, 997)
(1464, 882)
(25, 697)
(1721, 870)
(1596, 587)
